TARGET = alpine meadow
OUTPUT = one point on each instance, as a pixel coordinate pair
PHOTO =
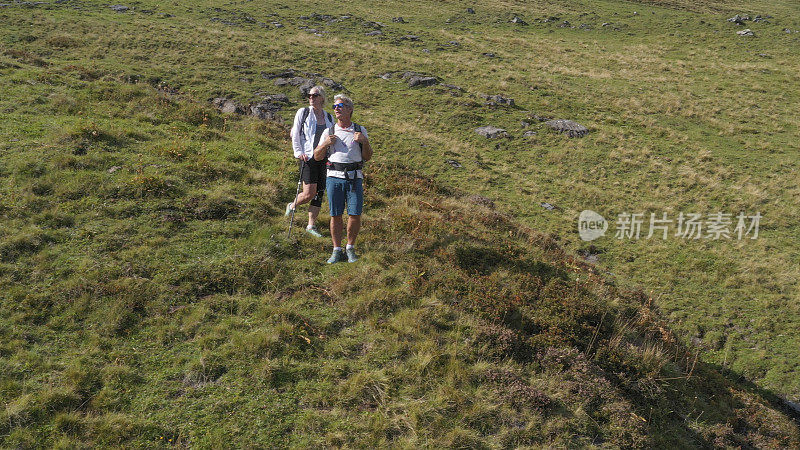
(579, 230)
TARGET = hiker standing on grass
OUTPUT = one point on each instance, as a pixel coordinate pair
(346, 147)
(309, 124)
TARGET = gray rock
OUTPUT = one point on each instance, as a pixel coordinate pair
(227, 106)
(605, 24)
(453, 87)
(280, 74)
(760, 19)
(277, 98)
(518, 21)
(793, 406)
(374, 33)
(529, 134)
(294, 81)
(497, 100)
(409, 37)
(488, 54)
(737, 19)
(114, 169)
(490, 132)
(454, 163)
(265, 110)
(329, 83)
(119, 8)
(573, 129)
(277, 24)
(481, 200)
(470, 11)
(422, 81)
(745, 32)
(398, 20)
(547, 206)
(387, 76)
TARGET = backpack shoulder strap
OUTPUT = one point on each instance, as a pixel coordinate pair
(306, 112)
(357, 129)
(330, 117)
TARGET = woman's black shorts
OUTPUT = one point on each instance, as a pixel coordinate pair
(314, 172)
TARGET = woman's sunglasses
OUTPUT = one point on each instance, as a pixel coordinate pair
(314, 95)
(339, 106)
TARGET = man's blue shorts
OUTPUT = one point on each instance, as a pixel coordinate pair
(341, 190)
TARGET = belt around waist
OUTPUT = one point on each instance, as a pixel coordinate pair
(345, 167)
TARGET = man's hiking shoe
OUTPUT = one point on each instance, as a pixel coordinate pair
(313, 231)
(288, 209)
(351, 255)
(337, 256)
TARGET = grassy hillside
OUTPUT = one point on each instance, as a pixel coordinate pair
(149, 293)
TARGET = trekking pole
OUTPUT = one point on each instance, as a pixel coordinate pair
(296, 194)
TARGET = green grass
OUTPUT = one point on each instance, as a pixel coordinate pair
(149, 293)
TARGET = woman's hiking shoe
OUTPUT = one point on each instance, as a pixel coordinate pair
(351, 255)
(337, 256)
(288, 209)
(313, 231)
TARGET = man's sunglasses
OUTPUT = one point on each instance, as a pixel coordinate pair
(314, 95)
(339, 105)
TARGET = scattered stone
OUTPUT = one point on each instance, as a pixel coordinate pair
(454, 163)
(536, 118)
(114, 169)
(591, 254)
(547, 206)
(453, 87)
(793, 405)
(497, 100)
(280, 74)
(470, 11)
(423, 81)
(265, 110)
(490, 132)
(119, 8)
(760, 19)
(374, 33)
(277, 98)
(488, 54)
(737, 19)
(745, 32)
(518, 20)
(277, 24)
(551, 19)
(398, 20)
(584, 26)
(409, 37)
(481, 200)
(227, 106)
(786, 30)
(529, 134)
(329, 83)
(454, 43)
(573, 129)
(387, 76)
(564, 24)
(605, 24)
